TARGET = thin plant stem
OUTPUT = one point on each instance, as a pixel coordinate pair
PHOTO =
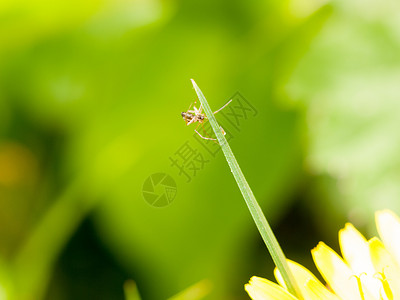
(261, 222)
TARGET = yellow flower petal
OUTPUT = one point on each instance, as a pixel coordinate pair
(370, 270)
(263, 289)
(337, 274)
(311, 288)
(318, 291)
(388, 225)
(356, 253)
(385, 265)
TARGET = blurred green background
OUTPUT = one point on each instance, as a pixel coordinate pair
(90, 100)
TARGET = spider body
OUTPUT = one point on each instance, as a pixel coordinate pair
(193, 116)
(196, 115)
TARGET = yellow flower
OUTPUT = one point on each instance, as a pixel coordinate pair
(369, 270)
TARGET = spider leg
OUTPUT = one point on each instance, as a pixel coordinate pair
(223, 107)
(223, 131)
(211, 139)
(194, 107)
(204, 130)
(191, 105)
(194, 119)
(206, 138)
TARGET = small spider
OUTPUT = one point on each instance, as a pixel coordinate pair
(196, 115)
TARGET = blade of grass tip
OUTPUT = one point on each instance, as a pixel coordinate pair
(255, 209)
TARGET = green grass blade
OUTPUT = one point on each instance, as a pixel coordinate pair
(255, 210)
